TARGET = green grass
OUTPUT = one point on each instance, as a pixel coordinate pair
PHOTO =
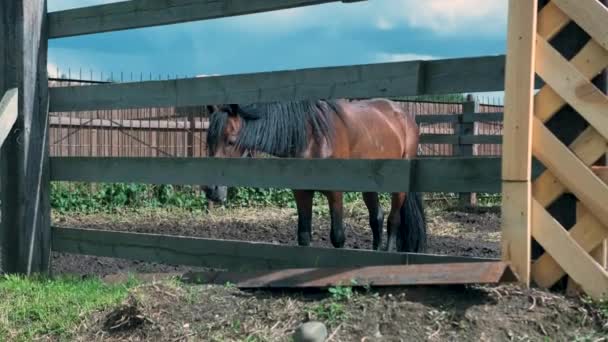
(41, 307)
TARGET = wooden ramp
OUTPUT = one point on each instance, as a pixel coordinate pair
(400, 275)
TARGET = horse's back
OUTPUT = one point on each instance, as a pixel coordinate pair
(378, 128)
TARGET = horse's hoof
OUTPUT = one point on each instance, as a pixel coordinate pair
(304, 240)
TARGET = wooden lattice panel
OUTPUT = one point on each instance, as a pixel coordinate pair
(581, 252)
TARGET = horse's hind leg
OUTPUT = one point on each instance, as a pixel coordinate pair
(376, 217)
(334, 199)
(304, 203)
(394, 220)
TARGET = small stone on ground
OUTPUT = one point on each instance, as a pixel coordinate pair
(311, 332)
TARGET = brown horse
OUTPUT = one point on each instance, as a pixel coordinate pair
(365, 129)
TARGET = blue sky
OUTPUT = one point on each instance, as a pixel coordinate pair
(322, 35)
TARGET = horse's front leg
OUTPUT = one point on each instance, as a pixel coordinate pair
(394, 220)
(334, 199)
(304, 203)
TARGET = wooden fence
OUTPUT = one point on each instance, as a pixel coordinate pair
(25, 229)
(181, 132)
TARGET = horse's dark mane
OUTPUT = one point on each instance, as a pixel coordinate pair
(279, 129)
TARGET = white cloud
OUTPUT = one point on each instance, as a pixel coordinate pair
(402, 57)
(446, 17)
(51, 69)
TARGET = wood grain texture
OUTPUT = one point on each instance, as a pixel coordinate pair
(358, 81)
(519, 90)
(8, 113)
(551, 20)
(571, 257)
(479, 174)
(226, 254)
(588, 147)
(572, 86)
(590, 15)
(588, 233)
(139, 13)
(587, 187)
(590, 61)
(515, 227)
(26, 215)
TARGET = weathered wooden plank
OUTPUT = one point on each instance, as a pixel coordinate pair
(519, 91)
(393, 275)
(320, 174)
(226, 254)
(8, 113)
(571, 257)
(456, 175)
(137, 13)
(588, 233)
(439, 139)
(26, 215)
(480, 139)
(477, 174)
(572, 86)
(587, 187)
(590, 15)
(453, 139)
(588, 147)
(517, 139)
(358, 81)
(437, 118)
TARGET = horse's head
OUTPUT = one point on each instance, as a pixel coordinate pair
(225, 125)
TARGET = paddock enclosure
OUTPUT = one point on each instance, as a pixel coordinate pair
(554, 213)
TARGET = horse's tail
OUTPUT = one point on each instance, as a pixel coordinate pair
(412, 234)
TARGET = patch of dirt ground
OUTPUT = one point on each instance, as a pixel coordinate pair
(474, 233)
(168, 311)
(171, 312)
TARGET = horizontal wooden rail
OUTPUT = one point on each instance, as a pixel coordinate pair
(357, 81)
(454, 139)
(8, 113)
(455, 118)
(227, 254)
(136, 13)
(477, 174)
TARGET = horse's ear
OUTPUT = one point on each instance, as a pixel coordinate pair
(234, 110)
(212, 109)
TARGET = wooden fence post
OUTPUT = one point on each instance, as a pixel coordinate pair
(24, 168)
(466, 126)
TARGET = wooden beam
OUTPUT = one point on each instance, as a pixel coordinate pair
(358, 81)
(25, 226)
(587, 187)
(572, 86)
(519, 91)
(551, 20)
(394, 275)
(478, 174)
(517, 130)
(588, 233)
(573, 258)
(590, 15)
(590, 61)
(8, 113)
(589, 147)
(137, 13)
(226, 254)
